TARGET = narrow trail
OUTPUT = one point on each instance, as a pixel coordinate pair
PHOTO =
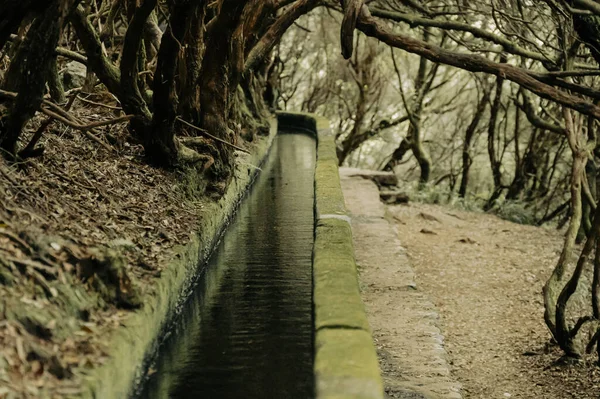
(483, 276)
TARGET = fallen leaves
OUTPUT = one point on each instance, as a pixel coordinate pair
(55, 212)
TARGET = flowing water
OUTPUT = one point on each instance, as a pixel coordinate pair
(246, 333)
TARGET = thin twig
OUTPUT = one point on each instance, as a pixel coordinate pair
(85, 128)
(64, 52)
(12, 95)
(85, 100)
(89, 126)
(204, 132)
(8, 177)
(17, 239)
(68, 179)
(33, 264)
(30, 150)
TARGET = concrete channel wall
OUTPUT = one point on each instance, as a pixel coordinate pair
(346, 365)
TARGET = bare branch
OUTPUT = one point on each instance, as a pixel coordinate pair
(207, 134)
(475, 63)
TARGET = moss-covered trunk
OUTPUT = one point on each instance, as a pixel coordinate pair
(222, 66)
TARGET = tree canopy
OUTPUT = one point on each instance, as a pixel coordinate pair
(494, 100)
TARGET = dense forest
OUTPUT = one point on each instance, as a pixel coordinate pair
(491, 104)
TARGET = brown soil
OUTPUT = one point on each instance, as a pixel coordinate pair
(84, 233)
(485, 277)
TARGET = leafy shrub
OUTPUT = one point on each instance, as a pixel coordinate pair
(514, 211)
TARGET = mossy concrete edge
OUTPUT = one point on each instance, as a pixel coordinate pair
(345, 365)
(135, 342)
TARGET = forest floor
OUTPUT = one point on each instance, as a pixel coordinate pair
(85, 231)
(484, 276)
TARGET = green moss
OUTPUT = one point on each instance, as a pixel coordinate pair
(193, 183)
(105, 270)
(336, 290)
(328, 190)
(346, 365)
(42, 322)
(339, 311)
(326, 151)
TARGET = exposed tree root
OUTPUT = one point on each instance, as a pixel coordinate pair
(187, 156)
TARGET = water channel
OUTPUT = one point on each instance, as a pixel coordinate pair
(246, 332)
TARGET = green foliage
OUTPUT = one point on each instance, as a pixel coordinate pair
(513, 211)
(442, 195)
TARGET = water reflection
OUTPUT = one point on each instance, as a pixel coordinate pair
(247, 333)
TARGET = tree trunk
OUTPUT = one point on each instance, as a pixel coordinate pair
(469, 134)
(564, 335)
(491, 144)
(189, 71)
(131, 98)
(37, 55)
(152, 36)
(553, 286)
(55, 84)
(422, 156)
(222, 66)
(423, 83)
(108, 74)
(160, 145)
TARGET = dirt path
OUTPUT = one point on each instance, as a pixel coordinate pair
(484, 276)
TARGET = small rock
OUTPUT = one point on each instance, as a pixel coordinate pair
(467, 241)
(74, 75)
(393, 197)
(427, 231)
(397, 219)
(429, 217)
